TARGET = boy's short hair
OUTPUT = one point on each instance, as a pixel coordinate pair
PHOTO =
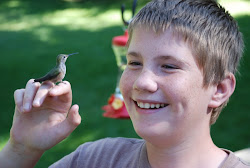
(211, 32)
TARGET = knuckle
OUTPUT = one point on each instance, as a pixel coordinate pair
(36, 84)
(31, 81)
(48, 84)
(31, 84)
(67, 83)
(18, 92)
(76, 122)
(18, 96)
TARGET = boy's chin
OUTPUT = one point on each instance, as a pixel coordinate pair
(150, 132)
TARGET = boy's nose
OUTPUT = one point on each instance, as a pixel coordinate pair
(145, 82)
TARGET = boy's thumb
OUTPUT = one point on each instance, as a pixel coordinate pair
(69, 124)
(74, 118)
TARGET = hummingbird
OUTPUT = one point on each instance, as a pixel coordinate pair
(58, 72)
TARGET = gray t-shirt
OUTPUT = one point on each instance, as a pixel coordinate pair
(120, 153)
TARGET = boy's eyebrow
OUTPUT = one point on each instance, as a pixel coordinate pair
(135, 54)
(169, 57)
(161, 57)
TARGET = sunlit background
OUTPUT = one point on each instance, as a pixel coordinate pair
(32, 34)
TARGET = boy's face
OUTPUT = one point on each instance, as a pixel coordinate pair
(163, 88)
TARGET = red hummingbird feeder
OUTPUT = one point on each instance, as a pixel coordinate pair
(116, 107)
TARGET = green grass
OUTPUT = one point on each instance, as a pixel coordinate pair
(32, 34)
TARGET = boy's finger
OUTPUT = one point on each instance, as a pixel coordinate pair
(18, 97)
(61, 89)
(66, 127)
(29, 94)
(42, 93)
(74, 118)
(71, 122)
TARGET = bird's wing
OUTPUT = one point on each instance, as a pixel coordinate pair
(50, 75)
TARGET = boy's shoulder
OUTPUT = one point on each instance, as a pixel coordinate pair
(108, 152)
(111, 144)
(113, 152)
(233, 161)
(117, 141)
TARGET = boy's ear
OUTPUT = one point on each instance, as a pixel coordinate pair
(223, 91)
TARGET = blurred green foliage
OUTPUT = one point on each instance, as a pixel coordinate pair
(33, 33)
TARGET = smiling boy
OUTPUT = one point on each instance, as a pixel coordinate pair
(181, 64)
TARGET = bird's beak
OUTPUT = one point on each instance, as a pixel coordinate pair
(73, 54)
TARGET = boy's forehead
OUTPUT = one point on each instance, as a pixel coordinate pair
(165, 43)
(168, 37)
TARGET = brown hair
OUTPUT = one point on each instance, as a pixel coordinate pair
(211, 32)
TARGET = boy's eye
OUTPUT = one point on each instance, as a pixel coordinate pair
(169, 66)
(134, 63)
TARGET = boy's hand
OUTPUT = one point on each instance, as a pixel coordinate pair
(43, 116)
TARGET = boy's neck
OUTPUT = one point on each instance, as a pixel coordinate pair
(200, 153)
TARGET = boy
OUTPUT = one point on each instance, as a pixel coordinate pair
(181, 60)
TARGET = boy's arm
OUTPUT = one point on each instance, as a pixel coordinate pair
(43, 117)
(14, 155)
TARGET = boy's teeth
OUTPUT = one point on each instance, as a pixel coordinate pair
(152, 106)
(146, 105)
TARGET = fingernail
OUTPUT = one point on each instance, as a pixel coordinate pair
(36, 103)
(26, 107)
(53, 92)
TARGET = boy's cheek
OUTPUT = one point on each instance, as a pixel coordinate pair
(123, 82)
(126, 82)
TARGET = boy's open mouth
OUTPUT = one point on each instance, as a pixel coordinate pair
(150, 105)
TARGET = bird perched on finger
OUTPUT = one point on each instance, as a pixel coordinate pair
(58, 72)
